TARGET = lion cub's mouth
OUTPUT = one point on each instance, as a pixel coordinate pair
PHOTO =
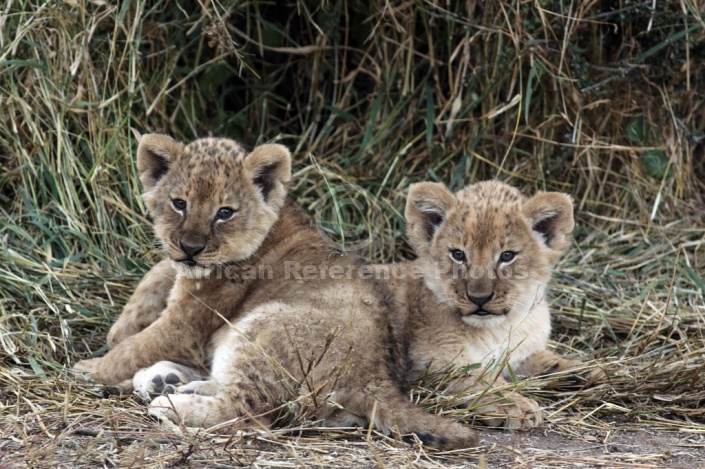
(485, 313)
(190, 263)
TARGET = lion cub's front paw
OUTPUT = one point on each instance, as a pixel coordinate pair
(577, 374)
(88, 366)
(87, 369)
(595, 375)
(163, 378)
(188, 409)
(202, 388)
(510, 410)
(561, 372)
(121, 331)
(162, 409)
(590, 377)
(100, 370)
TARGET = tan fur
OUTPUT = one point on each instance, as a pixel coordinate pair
(483, 220)
(333, 343)
(145, 304)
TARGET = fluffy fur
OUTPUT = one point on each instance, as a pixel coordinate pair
(268, 338)
(476, 293)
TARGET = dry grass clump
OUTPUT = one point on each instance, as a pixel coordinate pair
(602, 100)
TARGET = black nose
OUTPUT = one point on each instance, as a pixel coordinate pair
(192, 250)
(480, 300)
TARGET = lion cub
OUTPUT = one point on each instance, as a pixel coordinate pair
(249, 304)
(476, 293)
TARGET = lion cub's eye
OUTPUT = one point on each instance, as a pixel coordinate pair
(179, 204)
(224, 213)
(507, 256)
(457, 255)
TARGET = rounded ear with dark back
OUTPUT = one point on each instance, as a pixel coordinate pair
(155, 154)
(427, 206)
(269, 167)
(550, 215)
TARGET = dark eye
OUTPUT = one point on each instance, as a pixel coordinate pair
(224, 213)
(507, 256)
(457, 255)
(179, 204)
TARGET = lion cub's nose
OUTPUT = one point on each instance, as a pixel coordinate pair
(480, 300)
(192, 250)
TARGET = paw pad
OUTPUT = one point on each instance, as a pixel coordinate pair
(158, 381)
(172, 378)
(163, 378)
(165, 385)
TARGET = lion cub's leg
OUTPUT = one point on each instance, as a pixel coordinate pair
(257, 366)
(241, 400)
(507, 408)
(142, 309)
(496, 405)
(207, 387)
(235, 393)
(545, 362)
(239, 373)
(146, 303)
(195, 410)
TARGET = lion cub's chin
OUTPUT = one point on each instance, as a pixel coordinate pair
(196, 272)
(489, 321)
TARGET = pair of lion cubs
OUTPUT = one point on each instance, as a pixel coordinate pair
(246, 344)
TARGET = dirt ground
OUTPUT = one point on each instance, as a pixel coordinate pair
(116, 432)
(619, 446)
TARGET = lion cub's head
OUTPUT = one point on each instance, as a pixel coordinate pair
(486, 250)
(212, 202)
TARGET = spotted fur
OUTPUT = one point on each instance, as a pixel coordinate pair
(483, 309)
(267, 340)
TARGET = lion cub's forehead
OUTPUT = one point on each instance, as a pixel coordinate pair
(214, 155)
(491, 213)
(211, 166)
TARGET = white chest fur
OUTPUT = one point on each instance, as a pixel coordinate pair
(452, 342)
(514, 339)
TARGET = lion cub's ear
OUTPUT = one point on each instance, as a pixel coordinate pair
(550, 214)
(269, 169)
(427, 205)
(155, 154)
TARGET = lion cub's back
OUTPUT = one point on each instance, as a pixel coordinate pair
(335, 327)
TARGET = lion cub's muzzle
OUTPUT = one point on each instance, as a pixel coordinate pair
(192, 248)
(480, 304)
